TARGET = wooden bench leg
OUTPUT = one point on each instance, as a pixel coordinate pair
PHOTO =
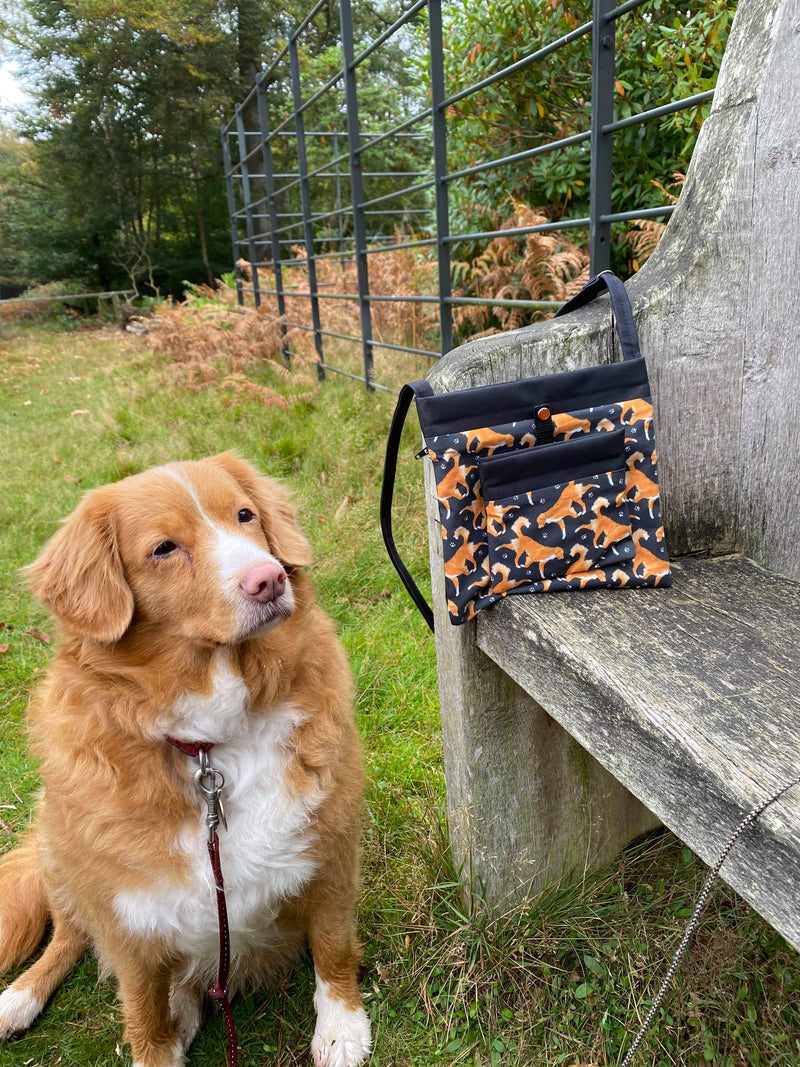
(528, 807)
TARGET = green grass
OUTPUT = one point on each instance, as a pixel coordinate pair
(558, 982)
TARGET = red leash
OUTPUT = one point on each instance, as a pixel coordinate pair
(209, 782)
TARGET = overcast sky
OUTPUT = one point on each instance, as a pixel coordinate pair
(10, 91)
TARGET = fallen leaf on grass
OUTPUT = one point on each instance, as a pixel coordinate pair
(80, 411)
(346, 503)
(40, 635)
(4, 648)
(57, 459)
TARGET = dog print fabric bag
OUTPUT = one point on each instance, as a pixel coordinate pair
(545, 484)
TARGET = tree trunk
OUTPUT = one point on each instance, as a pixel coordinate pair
(201, 227)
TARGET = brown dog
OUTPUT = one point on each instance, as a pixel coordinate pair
(185, 614)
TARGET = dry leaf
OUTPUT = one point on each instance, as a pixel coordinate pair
(346, 503)
(4, 648)
(40, 635)
(57, 459)
(80, 411)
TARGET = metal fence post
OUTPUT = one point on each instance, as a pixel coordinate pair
(226, 162)
(305, 200)
(339, 218)
(269, 181)
(438, 121)
(248, 203)
(357, 188)
(602, 144)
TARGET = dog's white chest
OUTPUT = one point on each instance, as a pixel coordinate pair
(265, 850)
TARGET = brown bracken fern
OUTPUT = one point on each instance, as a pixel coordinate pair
(210, 343)
(534, 266)
(645, 234)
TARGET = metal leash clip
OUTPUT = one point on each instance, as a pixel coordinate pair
(209, 783)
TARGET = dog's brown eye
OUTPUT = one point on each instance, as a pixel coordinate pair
(245, 515)
(166, 548)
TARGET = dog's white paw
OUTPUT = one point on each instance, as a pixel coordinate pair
(345, 1046)
(342, 1037)
(18, 1009)
(185, 1006)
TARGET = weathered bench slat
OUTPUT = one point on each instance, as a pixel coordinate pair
(690, 696)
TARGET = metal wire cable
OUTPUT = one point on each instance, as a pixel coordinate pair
(702, 900)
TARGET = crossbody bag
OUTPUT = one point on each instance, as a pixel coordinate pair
(545, 484)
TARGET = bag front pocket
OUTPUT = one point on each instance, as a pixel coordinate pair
(461, 511)
(559, 518)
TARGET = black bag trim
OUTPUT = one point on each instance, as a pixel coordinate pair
(533, 468)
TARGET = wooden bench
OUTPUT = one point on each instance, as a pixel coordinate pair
(574, 722)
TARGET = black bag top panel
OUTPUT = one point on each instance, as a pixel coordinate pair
(505, 402)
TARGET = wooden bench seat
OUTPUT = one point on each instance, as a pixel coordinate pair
(690, 698)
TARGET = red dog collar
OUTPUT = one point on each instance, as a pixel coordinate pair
(191, 748)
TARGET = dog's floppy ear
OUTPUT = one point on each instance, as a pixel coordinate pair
(79, 574)
(275, 510)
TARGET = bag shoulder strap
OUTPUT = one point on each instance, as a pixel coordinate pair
(620, 304)
(407, 394)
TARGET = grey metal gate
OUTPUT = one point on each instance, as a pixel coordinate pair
(260, 229)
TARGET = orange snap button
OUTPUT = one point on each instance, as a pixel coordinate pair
(543, 413)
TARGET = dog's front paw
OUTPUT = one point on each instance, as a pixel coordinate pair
(18, 1009)
(185, 1006)
(342, 1037)
(345, 1046)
